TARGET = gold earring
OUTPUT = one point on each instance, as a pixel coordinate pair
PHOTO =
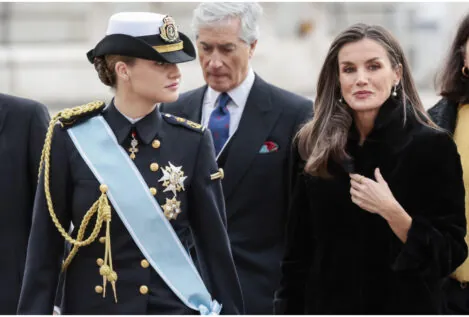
(464, 72)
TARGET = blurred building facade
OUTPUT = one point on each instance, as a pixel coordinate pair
(43, 45)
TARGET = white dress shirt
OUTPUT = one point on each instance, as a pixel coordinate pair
(238, 95)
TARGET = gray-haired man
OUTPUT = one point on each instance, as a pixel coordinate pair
(252, 124)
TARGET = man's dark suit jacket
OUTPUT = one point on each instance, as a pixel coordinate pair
(23, 126)
(256, 185)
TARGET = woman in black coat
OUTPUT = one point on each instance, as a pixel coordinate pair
(452, 114)
(377, 215)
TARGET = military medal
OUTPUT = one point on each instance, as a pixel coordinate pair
(172, 208)
(134, 143)
(173, 179)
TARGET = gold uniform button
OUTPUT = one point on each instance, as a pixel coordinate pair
(154, 167)
(98, 289)
(153, 191)
(144, 263)
(156, 144)
(100, 262)
(143, 289)
(102, 239)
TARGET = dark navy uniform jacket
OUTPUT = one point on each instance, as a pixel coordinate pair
(23, 126)
(140, 290)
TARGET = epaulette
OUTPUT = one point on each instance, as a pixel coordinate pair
(183, 122)
(71, 116)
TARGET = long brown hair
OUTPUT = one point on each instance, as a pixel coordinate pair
(450, 82)
(325, 136)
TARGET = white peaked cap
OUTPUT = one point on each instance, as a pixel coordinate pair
(146, 35)
(135, 23)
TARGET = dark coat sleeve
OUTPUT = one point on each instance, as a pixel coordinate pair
(435, 246)
(208, 224)
(290, 297)
(46, 245)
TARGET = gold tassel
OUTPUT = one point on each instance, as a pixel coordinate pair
(107, 270)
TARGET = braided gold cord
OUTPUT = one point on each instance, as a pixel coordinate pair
(66, 113)
(45, 164)
(107, 270)
(50, 130)
(81, 232)
(101, 206)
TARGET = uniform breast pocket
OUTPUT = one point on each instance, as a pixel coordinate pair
(85, 193)
(85, 184)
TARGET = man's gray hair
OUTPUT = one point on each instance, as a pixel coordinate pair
(209, 14)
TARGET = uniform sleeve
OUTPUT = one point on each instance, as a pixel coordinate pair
(208, 224)
(290, 297)
(435, 246)
(46, 245)
(37, 133)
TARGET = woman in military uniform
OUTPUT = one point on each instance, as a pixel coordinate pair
(137, 185)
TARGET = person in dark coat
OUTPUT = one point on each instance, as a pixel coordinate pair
(23, 126)
(452, 114)
(252, 141)
(136, 185)
(377, 216)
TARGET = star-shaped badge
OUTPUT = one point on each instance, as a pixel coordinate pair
(172, 208)
(173, 178)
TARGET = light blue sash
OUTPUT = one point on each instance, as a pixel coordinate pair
(141, 213)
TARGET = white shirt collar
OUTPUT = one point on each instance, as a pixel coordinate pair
(131, 120)
(239, 95)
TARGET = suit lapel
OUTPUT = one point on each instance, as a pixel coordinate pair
(256, 123)
(193, 108)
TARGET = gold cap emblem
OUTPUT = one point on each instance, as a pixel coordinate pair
(169, 32)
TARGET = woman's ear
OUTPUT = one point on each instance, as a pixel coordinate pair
(398, 73)
(121, 70)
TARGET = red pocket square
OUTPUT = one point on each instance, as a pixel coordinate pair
(268, 147)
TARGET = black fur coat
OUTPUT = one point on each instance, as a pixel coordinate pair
(341, 259)
(444, 114)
